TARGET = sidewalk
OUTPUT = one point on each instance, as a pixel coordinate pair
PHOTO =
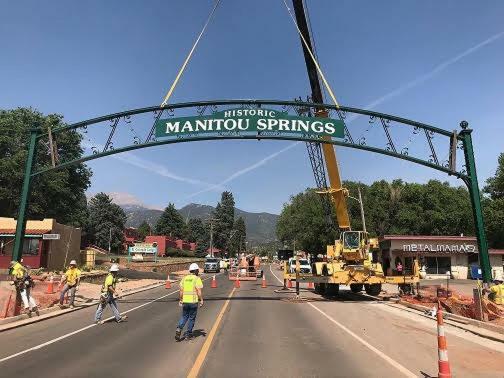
(87, 295)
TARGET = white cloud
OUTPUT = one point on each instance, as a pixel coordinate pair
(429, 75)
(245, 170)
(132, 159)
(396, 92)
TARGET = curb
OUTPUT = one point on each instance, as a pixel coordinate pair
(53, 312)
(456, 321)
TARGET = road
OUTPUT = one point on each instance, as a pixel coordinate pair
(250, 331)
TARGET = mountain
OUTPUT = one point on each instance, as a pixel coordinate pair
(260, 226)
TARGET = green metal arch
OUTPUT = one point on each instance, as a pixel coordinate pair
(464, 136)
(131, 112)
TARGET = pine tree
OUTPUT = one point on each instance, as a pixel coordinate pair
(170, 223)
(223, 220)
(143, 230)
(106, 221)
(238, 237)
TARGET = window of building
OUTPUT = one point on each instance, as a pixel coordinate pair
(438, 265)
(30, 246)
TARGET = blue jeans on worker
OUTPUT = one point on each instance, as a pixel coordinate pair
(189, 312)
(113, 306)
(66, 288)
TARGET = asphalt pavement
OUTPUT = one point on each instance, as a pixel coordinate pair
(247, 332)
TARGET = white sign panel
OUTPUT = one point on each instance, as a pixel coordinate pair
(50, 236)
(143, 249)
(443, 248)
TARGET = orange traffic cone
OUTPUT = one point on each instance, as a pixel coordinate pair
(310, 285)
(214, 283)
(289, 284)
(443, 363)
(50, 286)
(168, 282)
(263, 285)
(237, 284)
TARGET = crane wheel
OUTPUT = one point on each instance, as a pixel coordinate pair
(373, 289)
(332, 290)
(356, 288)
(405, 289)
(320, 288)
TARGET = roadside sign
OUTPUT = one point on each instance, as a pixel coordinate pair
(50, 236)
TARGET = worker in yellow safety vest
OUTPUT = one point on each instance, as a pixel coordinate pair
(190, 295)
(71, 279)
(108, 296)
(23, 283)
(496, 292)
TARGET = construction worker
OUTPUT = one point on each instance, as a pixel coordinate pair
(496, 292)
(190, 294)
(24, 283)
(109, 295)
(71, 279)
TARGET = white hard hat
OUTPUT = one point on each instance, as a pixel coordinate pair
(73, 262)
(114, 268)
(193, 266)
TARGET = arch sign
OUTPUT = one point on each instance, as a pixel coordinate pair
(397, 137)
(258, 122)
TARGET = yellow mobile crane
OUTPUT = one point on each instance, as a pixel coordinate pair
(350, 259)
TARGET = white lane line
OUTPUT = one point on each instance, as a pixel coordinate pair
(84, 328)
(391, 361)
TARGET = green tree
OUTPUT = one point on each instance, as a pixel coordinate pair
(171, 223)
(495, 184)
(58, 194)
(302, 221)
(106, 222)
(493, 206)
(200, 233)
(223, 220)
(143, 230)
(196, 230)
(238, 237)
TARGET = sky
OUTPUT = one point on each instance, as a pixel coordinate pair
(430, 61)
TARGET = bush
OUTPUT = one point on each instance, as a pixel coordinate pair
(173, 252)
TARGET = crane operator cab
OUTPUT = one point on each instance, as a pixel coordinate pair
(355, 246)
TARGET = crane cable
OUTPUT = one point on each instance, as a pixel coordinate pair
(181, 71)
(326, 84)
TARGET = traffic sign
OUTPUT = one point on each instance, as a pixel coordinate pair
(50, 236)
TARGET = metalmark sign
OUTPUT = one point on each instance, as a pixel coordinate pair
(249, 121)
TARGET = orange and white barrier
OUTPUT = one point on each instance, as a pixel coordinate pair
(444, 364)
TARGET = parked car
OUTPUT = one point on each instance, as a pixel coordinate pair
(304, 266)
(212, 264)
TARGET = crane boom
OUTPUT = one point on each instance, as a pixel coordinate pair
(335, 189)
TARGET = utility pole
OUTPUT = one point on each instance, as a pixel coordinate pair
(211, 237)
(109, 239)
